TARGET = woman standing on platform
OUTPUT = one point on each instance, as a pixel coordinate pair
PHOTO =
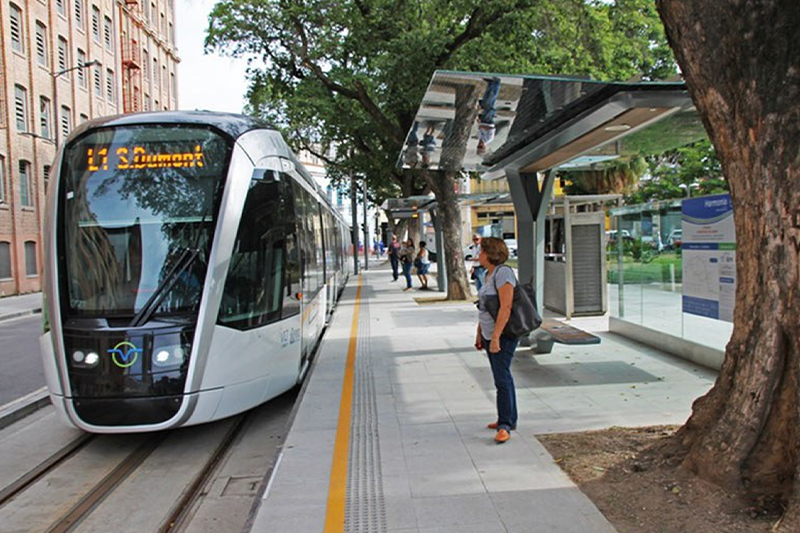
(500, 283)
(407, 260)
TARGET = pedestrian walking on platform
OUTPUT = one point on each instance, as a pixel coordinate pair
(423, 264)
(407, 260)
(500, 283)
(478, 273)
(394, 257)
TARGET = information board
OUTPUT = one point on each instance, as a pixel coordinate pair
(708, 249)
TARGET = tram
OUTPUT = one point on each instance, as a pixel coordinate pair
(191, 263)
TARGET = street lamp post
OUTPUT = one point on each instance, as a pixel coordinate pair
(55, 75)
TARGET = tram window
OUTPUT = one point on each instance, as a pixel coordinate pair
(292, 278)
(252, 295)
(304, 205)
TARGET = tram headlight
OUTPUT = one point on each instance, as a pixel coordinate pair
(166, 356)
(85, 358)
(91, 359)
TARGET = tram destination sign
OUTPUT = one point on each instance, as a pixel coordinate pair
(140, 157)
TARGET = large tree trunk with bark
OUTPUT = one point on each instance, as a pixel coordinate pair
(443, 185)
(741, 62)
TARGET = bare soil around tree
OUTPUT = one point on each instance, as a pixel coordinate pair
(641, 489)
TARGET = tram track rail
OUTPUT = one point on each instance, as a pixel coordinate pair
(181, 511)
(45, 467)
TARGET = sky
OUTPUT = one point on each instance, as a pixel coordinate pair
(212, 82)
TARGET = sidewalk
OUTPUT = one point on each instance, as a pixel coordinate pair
(17, 306)
(419, 457)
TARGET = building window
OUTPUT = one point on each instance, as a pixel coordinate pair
(46, 176)
(152, 12)
(156, 83)
(25, 184)
(79, 14)
(108, 33)
(146, 106)
(5, 260)
(44, 116)
(66, 121)
(2, 181)
(173, 85)
(61, 7)
(98, 85)
(163, 78)
(96, 23)
(163, 25)
(16, 29)
(63, 55)
(146, 63)
(41, 44)
(30, 259)
(83, 118)
(81, 71)
(21, 107)
(110, 86)
(171, 34)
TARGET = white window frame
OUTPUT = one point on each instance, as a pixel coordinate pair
(17, 23)
(42, 57)
(21, 108)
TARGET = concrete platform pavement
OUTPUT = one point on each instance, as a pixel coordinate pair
(405, 449)
(17, 306)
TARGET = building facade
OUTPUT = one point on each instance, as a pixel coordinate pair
(63, 62)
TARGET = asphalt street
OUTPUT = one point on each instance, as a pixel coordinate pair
(21, 369)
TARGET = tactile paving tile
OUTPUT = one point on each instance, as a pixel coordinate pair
(366, 510)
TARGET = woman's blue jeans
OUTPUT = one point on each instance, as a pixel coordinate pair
(504, 382)
(407, 274)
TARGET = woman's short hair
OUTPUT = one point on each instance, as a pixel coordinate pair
(495, 249)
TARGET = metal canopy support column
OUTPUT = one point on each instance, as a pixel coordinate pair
(441, 271)
(530, 204)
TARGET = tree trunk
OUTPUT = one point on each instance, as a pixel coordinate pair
(742, 66)
(443, 185)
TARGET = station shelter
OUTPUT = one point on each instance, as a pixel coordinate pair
(536, 130)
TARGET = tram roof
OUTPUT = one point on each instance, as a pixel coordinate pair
(230, 123)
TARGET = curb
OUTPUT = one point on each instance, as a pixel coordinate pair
(22, 407)
(17, 314)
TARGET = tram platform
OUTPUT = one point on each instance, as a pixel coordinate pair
(390, 434)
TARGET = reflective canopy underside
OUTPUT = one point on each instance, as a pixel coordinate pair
(487, 123)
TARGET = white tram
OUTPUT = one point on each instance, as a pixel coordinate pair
(190, 266)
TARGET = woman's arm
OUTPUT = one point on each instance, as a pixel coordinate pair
(479, 339)
(506, 295)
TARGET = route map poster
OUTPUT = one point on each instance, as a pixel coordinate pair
(709, 257)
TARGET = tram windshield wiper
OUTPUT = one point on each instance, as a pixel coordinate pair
(186, 259)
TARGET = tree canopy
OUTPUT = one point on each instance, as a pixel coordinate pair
(352, 73)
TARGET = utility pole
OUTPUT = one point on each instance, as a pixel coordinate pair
(354, 228)
(366, 230)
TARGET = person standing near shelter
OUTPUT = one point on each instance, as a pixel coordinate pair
(478, 272)
(394, 257)
(423, 264)
(500, 283)
(407, 260)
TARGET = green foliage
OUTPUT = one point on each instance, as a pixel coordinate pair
(695, 168)
(351, 74)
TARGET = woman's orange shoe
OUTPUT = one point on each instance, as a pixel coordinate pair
(502, 436)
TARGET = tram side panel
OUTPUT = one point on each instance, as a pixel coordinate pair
(255, 351)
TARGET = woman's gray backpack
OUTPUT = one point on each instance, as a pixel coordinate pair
(524, 316)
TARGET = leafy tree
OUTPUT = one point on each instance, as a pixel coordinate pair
(352, 73)
(693, 169)
(742, 69)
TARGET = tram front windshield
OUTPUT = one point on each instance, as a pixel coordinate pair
(138, 209)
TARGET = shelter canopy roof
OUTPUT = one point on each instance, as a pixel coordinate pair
(487, 122)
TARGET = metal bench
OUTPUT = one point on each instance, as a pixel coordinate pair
(556, 331)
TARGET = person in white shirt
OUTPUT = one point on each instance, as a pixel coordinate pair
(477, 272)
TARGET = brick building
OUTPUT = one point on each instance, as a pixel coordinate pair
(63, 62)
